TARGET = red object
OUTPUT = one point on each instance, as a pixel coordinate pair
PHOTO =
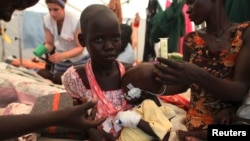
(136, 24)
(176, 100)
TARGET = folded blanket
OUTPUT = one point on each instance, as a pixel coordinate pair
(52, 103)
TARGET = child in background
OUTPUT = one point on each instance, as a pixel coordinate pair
(101, 76)
(127, 54)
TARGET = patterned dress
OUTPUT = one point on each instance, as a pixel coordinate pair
(218, 63)
(109, 102)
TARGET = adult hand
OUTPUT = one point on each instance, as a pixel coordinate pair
(56, 57)
(79, 117)
(172, 72)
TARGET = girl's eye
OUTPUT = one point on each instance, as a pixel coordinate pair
(117, 38)
(98, 39)
(53, 9)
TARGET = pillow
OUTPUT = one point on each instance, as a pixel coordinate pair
(55, 102)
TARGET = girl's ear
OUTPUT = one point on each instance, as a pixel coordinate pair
(81, 39)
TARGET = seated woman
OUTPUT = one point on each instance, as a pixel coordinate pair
(61, 29)
(214, 66)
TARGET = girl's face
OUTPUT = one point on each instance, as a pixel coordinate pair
(103, 38)
(56, 11)
(199, 10)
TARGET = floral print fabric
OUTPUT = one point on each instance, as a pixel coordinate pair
(218, 63)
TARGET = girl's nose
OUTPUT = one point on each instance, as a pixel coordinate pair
(109, 45)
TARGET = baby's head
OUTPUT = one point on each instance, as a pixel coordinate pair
(141, 76)
(100, 32)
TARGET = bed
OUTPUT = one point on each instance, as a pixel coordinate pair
(19, 89)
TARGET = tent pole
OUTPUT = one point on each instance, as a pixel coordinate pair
(20, 40)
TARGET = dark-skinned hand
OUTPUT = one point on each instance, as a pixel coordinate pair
(171, 72)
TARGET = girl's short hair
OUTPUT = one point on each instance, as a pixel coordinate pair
(94, 10)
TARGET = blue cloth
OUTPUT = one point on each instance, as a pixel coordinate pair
(63, 66)
(33, 32)
(128, 55)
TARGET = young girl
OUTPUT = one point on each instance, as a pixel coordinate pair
(101, 76)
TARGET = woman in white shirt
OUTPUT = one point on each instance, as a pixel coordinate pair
(61, 30)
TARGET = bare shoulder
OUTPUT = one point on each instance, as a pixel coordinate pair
(80, 69)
